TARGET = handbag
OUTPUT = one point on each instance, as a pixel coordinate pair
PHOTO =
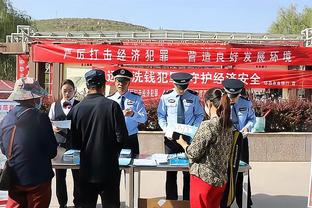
(5, 173)
(230, 188)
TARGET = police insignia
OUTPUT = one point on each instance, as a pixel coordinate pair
(189, 101)
(130, 102)
(171, 101)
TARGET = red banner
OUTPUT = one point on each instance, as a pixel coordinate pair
(181, 54)
(22, 66)
(152, 82)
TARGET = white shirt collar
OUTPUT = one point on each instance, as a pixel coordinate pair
(119, 95)
(71, 101)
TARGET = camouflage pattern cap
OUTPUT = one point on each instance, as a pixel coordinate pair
(27, 88)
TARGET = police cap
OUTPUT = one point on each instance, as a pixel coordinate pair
(95, 78)
(181, 78)
(233, 87)
(122, 75)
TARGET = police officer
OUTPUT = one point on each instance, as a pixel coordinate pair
(179, 105)
(244, 118)
(132, 106)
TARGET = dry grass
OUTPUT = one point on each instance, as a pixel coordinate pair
(84, 24)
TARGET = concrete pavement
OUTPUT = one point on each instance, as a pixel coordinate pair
(274, 185)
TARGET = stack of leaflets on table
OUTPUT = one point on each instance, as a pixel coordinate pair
(124, 157)
(72, 156)
(160, 158)
(124, 161)
(125, 153)
(144, 162)
(178, 159)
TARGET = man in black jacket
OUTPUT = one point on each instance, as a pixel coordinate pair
(98, 130)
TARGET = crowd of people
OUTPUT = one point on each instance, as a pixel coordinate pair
(101, 126)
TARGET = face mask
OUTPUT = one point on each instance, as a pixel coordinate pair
(38, 105)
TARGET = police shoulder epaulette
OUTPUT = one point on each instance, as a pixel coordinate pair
(135, 93)
(111, 94)
(244, 98)
(168, 91)
(192, 92)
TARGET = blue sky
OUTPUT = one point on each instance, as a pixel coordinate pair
(203, 15)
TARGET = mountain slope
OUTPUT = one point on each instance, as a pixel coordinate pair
(84, 24)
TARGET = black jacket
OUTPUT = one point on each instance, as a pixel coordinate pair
(33, 148)
(98, 129)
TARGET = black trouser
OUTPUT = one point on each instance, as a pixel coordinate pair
(61, 188)
(132, 142)
(109, 193)
(171, 146)
(239, 184)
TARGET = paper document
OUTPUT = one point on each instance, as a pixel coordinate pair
(3, 159)
(169, 133)
(160, 158)
(144, 162)
(186, 130)
(181, 155)
(71, 152)
(65, 124)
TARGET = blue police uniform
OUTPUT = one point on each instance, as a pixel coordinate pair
(243, 116)
(168, 109)
(168, 112)
(134, 102)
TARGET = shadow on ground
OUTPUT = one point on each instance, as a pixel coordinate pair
(122, 205)
(279, 201)
(266, 201)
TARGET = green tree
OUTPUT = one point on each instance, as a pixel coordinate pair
(9, 19)
(290, 21)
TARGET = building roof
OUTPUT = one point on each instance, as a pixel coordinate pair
(6, 86)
